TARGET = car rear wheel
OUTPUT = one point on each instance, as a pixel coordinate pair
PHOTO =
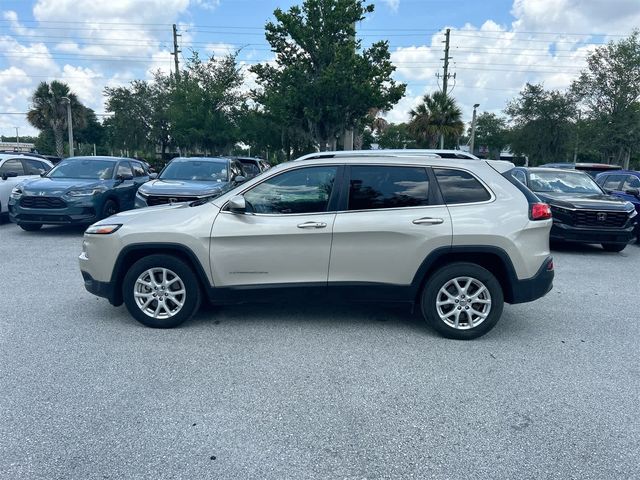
(613, 247)
(30, 227)
(462, 301)
(109, 208)
(161, 291)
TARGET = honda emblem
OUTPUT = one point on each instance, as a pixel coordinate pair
(601, 216)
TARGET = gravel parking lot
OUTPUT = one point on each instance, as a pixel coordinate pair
(315, 391)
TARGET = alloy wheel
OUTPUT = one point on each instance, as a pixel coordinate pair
(463, 303)
(159, 293)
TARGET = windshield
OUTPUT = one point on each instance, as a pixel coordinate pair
(203, 170)
(90, 169)
(563, 182)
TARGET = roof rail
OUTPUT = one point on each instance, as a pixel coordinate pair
(429, 153)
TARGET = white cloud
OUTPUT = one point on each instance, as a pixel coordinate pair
(393, 4)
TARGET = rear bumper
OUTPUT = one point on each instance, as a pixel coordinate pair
(535, 287)
(567, 233)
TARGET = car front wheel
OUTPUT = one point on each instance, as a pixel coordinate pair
(161, 291)
(462, 301)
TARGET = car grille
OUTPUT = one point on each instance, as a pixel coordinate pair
(591, 218)
(162, 200)
(42, 202)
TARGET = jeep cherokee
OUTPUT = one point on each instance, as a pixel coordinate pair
(457, 238)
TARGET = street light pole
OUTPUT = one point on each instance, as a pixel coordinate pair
(69, 125)
(473, 129)
(17, 140)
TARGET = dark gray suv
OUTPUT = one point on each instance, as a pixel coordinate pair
(192, 178)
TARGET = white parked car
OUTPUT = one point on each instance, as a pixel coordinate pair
(14, 169)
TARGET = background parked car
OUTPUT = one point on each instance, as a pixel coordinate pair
(592, 169)
(79, 190)
(624, 184)
(16, 168)
(252, 166)
(582, 211)
(191, 178)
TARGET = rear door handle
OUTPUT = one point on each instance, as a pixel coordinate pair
(312, 225)
(428, 221)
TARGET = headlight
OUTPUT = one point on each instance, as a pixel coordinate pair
(103, 229)
(142, 194)
(16, 192)
(85, 193)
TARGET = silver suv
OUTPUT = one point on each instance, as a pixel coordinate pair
(457, 238)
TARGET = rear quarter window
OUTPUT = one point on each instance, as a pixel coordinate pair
(458, 186)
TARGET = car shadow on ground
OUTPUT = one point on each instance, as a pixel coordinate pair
(50, 230)
(581, 248)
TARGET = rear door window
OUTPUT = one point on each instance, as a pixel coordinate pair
(138, 169)
(375, 187)
(34, 167)
(458, 186)
(630, 181)
(124, 168)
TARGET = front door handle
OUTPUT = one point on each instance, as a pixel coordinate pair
(312, 225)
(428, 221)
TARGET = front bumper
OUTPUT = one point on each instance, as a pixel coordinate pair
(76, 212)
(568, 233)
(100, 289)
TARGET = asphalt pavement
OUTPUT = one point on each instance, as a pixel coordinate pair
(299, 391)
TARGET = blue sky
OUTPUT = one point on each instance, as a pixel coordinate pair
(497, 45)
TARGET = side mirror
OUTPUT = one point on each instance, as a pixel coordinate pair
(238, 204)
(240, 179)
(153, 176)
(633, 191)
(9, 175)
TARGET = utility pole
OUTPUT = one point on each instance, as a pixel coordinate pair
(17, 140)
(473, 129)
(176, 51)
(445, 76)
(347, 139)
(69, 125)
(575, 150)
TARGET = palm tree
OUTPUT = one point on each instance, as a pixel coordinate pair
(437, 117)
(49, 111)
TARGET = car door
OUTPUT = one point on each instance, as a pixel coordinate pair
(390, 222)
(285, 235)
(125, 186)
(11, 173)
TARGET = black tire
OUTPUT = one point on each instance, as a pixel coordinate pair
(613, 247)
(191, 299)
(30, 227)
(109, 208)
(444, 275)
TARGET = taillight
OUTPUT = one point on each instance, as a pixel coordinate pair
(540, 211)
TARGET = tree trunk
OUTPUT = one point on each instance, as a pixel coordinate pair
(57, 134)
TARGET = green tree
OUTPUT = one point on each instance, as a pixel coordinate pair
(609, 88)
(438, 116)
(49, 111)
(204, 104)
(543, 126)
(396, 136)
(491, 132)
(323, 81)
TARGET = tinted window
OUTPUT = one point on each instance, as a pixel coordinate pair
(96, 169)
(374, 187)
(34, 167)
(13, 165)
(520, 176)
(138, 169)
(631, 182)
(305, 190)
(250, 168)
(124, 168)
(613, 182)
(458, 186)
